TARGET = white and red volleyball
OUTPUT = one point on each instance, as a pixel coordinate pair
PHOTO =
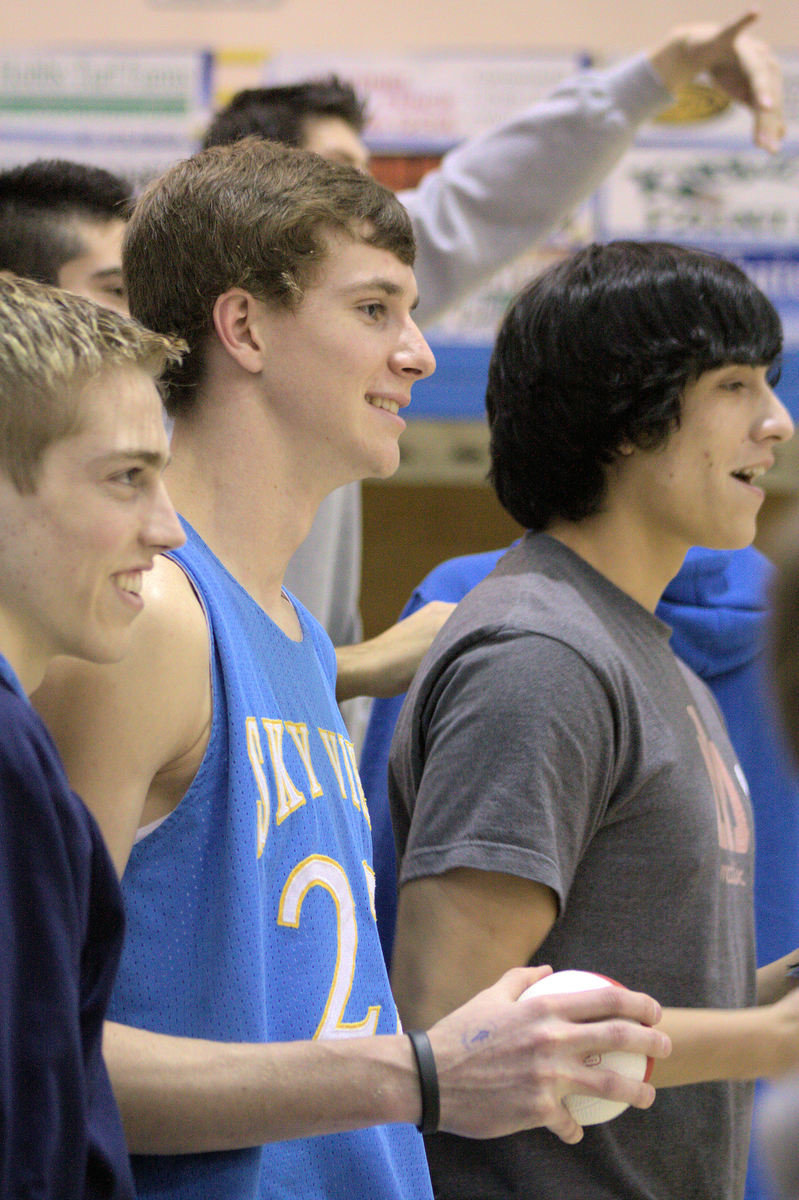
(593, 1110)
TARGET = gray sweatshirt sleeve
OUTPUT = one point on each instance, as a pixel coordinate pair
(498, 193)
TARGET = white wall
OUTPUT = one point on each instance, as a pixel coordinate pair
(374, 24)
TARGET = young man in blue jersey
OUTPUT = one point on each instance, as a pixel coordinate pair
(563, 787)
(252, 1008)
(83, 513)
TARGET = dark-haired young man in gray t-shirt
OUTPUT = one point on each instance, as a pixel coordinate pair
(564, 791)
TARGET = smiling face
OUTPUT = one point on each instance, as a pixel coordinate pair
(701, 488)
(97, 271)
(341, 365)
(73, 551)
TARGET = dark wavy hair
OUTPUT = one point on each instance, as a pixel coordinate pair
(279, 113)
(596, 353)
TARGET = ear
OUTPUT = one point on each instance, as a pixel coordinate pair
(626, 448)
(236, 322)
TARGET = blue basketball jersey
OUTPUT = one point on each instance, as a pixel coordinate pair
(250, 909)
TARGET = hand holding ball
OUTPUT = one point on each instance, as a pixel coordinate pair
(592, 1110)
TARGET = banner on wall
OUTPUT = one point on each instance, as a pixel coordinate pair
(133, 113)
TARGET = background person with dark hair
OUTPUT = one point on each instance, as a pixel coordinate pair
(325, 115)
(62, 223)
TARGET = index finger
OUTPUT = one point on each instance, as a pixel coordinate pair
(603, 1003)
(730, 32)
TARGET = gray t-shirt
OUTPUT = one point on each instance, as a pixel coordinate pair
(551, 733)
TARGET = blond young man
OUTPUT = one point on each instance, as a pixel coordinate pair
(83, 513)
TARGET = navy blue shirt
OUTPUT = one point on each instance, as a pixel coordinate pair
(61, 927)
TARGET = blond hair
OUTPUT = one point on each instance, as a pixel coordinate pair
(51, 343)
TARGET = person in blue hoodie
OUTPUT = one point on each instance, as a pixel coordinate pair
(777, 1127)
(717, 607)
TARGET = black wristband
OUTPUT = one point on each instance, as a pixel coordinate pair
(428, 1081)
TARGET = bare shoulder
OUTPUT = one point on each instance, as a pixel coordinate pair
(168, 654)
(172, 632)
(119, 725)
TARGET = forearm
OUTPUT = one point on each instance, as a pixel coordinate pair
(496, 195)
(501, 1066)
(357, 671)
(773, 980)
(710, 1044)
(385, 665)
(183, 1095)
(676, 60)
